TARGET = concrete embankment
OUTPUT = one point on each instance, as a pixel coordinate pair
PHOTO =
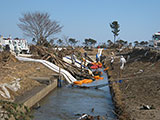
(30, 98)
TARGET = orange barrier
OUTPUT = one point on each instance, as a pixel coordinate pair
(106, 68)
(93, 63)
(99, 63)
(101, 78)
(98, 77)
(85, 81)
(78, 82)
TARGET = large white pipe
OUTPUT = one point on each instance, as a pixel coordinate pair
(51, 66)
(77, 62)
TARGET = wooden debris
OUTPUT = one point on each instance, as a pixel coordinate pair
(55, 56)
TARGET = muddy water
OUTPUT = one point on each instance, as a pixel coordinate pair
(68, 103)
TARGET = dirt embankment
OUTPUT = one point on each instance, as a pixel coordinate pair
(137, 97)
(12, 69)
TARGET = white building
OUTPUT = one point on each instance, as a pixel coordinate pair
(16, 45)
(155, 42)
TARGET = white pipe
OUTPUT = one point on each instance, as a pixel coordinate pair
(77, 62)
(51, 66)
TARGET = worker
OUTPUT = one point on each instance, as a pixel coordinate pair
(111, 62)
(128, 57)
(85, 58)
(122, 62)
(85, 54)
(97, 58)
(73, 58)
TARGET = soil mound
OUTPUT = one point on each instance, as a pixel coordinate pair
(144, 55)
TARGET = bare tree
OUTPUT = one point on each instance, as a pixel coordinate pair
(39, 26)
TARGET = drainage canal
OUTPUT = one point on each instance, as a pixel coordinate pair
(68, 103)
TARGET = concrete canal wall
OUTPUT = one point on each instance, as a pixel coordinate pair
(30, 98)
(41, 94)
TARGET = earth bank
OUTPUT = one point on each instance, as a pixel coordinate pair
(140, 87)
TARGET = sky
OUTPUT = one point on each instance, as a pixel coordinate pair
(81, 19)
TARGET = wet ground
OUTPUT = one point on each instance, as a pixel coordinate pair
(68, 103)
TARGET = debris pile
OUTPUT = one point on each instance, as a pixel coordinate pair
(55, 56)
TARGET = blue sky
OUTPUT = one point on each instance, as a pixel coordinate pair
(81, 19)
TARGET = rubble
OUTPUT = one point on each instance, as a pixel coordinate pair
(90, 117)
(147, 107)
(55, 56)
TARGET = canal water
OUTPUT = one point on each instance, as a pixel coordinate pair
(69, 103)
